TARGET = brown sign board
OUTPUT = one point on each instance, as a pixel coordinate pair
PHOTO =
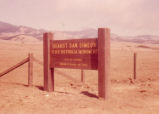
(77, 53)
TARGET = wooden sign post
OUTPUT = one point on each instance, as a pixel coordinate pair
(86, 53)
(48, 72)
(103, 61)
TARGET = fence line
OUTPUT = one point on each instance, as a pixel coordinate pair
(14, 67)
(61, 73)
(29, 59)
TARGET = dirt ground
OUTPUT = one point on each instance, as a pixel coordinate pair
(73, 97)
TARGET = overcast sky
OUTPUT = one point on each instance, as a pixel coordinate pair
(123, 17)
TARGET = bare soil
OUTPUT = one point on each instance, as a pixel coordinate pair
(126, 96)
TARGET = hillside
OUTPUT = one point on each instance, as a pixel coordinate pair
(23, 38)
(9, 30)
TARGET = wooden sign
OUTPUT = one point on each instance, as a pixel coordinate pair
(83, 53)
(79, 54)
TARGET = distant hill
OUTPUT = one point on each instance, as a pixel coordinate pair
(92, 33)
(140, 39)
(9, 30)
(12, 32)
(23, 38)
(5, 27)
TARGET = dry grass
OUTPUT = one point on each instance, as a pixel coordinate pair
(139, 97)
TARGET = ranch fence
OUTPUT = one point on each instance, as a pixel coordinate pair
(138, 65)
(30, 60)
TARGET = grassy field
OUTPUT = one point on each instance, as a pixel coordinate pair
(73, 97)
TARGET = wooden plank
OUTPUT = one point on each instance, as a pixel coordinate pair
(30, 70)
(103, 61)
(14, 67)
(48, 72)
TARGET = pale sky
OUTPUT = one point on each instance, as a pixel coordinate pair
(123, 17)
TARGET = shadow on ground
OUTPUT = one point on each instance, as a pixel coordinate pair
(89, 94)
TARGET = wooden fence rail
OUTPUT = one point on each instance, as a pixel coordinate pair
(29, 59)
(14, 67)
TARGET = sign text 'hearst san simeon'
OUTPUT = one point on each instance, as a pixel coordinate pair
(74, 48)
